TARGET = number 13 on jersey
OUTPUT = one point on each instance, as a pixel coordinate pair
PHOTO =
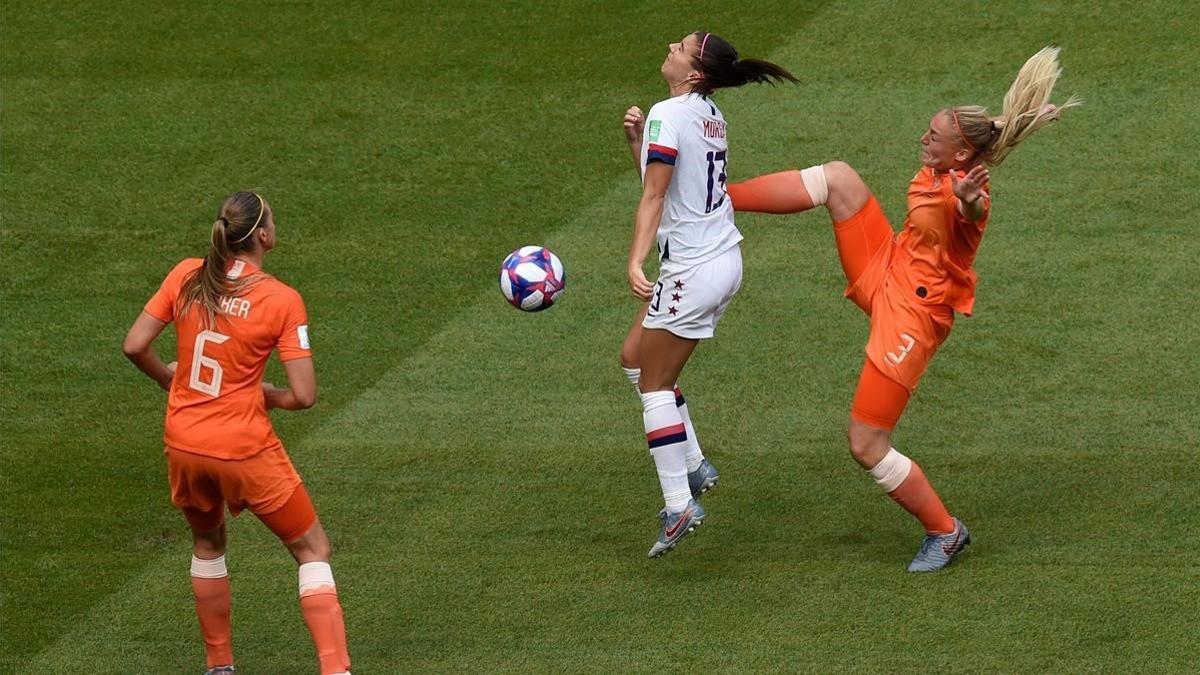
(716, 181)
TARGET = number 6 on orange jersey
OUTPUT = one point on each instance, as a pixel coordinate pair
(213, 387)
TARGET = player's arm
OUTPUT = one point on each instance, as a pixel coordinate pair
(635, 124)
(138, 348)
(301, 391)
(645, 227)
(972, 199)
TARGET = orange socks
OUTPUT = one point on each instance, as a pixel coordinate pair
(783, 192)
(323, 614)
(907, 485)
(318, 602)
(918, 497)
(210, 586)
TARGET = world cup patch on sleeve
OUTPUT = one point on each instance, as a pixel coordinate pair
(655, 128)
(302, 334)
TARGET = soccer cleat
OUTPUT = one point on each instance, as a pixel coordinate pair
(703, 479)
(221, 670)
(937, 550)
(676, 526)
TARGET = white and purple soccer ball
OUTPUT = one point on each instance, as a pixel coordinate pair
(532, 278)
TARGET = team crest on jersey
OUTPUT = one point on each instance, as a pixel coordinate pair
(655, 128)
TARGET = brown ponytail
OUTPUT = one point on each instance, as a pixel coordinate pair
(240, 216)
(723, 68)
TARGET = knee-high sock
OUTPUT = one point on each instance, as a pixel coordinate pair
(323, 614)
(694, 455)
(906, 484)
(210, 587)
(667, 438)
(782, 192)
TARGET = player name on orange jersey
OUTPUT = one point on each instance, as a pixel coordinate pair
(239, 307)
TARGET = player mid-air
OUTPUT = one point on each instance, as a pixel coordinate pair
(912, 283)
(221, 450)
(681, 154)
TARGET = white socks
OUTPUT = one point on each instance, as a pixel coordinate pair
(694, 456)
(667, 438)
(633, 374)
(814, 182)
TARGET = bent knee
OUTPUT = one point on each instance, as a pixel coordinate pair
(867, 445)
(859, 449)
(312, 546)
(310, 551)
(323, 550)
(840, 174)
(629, 354)
(845, 190)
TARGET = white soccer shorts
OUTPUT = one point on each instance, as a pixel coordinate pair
(689, 300)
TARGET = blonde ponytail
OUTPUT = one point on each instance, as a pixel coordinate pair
(1027, 108)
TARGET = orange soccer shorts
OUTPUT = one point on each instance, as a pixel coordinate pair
(864, 244)
(905, 333)
(904, 337)
(878, 400)
(266, 483)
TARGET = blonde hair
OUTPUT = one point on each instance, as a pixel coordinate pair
(240, 216)
(1027, 108)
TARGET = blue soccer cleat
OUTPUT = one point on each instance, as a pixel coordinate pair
(221, 670)
(937, 550)
(703, 479)
(676, 526)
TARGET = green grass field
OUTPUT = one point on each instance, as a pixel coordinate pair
(482, 472)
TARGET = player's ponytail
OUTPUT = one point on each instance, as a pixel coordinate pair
(240, 216)
(723, 68)
(1027, 108)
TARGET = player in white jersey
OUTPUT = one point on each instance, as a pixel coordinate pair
(681, 153)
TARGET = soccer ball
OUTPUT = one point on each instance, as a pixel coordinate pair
(532, 278)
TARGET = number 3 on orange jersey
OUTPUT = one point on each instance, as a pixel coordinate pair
(212, 387)
(895, 358)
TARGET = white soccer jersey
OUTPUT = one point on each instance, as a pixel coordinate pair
(688, 132)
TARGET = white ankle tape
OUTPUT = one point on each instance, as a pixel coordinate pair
(314, 575)
(209, 569)
(891, 471)
(814, 182)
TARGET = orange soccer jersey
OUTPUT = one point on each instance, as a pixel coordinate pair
(216, 406)
(937, 245)
(911, 284)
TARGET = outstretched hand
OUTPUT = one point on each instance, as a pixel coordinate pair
(634, 122)
(970, 188)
